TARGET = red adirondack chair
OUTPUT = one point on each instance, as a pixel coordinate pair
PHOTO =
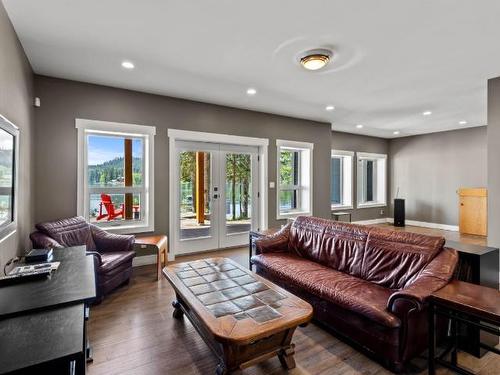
(111, 212)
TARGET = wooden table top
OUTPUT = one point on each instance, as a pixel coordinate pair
(156, 240)
(236, 305)
(474, 299)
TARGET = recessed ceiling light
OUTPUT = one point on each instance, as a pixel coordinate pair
(396, 132)
(330, 107)
(359, 126)
(427, 113)
(462, 122)
(315, 59)
(128, 65)
(251, 91)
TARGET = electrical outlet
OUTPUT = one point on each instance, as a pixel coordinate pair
(382, 212)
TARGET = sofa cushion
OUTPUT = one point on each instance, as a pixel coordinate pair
(393, 258)
(342, 247)
(347, 291)
(112, 260)
(306, 235)
(74, 231)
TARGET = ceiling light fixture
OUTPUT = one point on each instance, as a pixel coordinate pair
(427, 113)
(330, 107)
(396, 132)
(359, 126)
(251, 91)
(462, 122)
(128, 65)
(315, 59)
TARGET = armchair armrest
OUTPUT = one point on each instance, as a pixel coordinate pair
(277, 242)
(433, 277)
(97, 257)
(106, 241)
(40, 240)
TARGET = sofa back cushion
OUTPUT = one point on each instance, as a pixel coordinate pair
(330, 243)
(343, 246)
(392, 258)
(73, 231)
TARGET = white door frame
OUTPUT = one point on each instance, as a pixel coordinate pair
(187, 135)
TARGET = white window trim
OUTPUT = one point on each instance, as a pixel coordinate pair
(347, 183)
(86, 126)
(381, 179)
(302, 146)
(12, 129)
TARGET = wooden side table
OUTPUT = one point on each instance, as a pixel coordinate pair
(159, 244)
(463, 304)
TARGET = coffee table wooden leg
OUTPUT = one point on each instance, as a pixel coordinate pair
(286, 357)
(178, 313)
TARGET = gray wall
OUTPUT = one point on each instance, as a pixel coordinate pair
(16, 98)
(361, 143)
(428, 169)
(494, 162)
(56, 140)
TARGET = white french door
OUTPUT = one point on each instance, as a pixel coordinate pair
(216, 198)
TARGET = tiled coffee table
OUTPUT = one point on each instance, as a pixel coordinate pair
(243, 317)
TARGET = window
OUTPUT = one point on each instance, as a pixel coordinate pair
(115, 189)
(371, 180)
(341, 183)
(9, 156)
(294, 193)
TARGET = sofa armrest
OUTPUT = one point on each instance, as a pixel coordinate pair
(277, 242)
(40, 240)
(106, 241)
(433, 277)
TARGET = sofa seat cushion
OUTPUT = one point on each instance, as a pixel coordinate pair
(346, 291)
(112, 260)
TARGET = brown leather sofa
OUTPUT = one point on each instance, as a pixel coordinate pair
(368, 285)
(113, 253)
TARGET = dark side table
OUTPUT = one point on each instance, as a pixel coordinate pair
(463, 304)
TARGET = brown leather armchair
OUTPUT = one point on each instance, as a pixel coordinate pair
(113, 252)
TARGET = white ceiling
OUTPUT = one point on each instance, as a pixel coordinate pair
(394, 58)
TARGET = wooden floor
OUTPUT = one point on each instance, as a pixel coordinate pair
(132, 332)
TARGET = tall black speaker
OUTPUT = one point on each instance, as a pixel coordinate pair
(399, 212)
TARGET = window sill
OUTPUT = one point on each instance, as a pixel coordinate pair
(371, 205)
(338, 208)
(289, 215)
(128, 229)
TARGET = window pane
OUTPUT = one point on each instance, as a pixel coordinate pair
(6, 177)
(238, 193)
(336, 185)
(289, 173)
(106, 156)
(369, 180)
(288, 200)
(137, 161)
(194, 165)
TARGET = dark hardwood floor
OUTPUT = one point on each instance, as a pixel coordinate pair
(132, 332)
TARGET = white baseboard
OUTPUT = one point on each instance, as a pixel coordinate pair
(382, 220)
(144, 260)
(415, 223)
